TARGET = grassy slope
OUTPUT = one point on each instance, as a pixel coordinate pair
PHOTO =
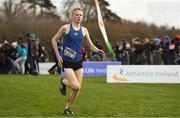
(39, 96)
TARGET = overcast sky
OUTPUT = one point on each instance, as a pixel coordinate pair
(159, 12)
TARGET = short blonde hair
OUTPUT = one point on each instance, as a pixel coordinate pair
(74, 9)
(77, 8)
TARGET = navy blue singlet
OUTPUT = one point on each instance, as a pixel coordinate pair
(72, 43)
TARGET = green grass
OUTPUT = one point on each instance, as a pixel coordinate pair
(38, 96)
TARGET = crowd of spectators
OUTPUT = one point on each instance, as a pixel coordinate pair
(22, 56)
(157, 51)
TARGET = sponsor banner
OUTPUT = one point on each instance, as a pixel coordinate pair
(90, 68)
(96, 68)
(143, 74)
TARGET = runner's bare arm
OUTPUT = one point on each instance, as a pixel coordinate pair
(62, 31)
(92, 46)
(89, 42)
(56, 38)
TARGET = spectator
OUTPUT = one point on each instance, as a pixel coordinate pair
(44, 57)
(34, 51)
(177, 50)
(21, 57)
(116, 50)
(60, 49)
(127, 53)
(29, 60)
(172, 54)
(6, 60)
(156, 50)
(148, 51)
(165, 50)
(137, 56)
(2, 59)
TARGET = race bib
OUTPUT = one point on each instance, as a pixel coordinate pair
(69, 53)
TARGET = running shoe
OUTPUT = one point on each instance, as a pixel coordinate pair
(62, 87)
(68, 111)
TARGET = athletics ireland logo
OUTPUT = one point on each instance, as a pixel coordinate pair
(120, 77)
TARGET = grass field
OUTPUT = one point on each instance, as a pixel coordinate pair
(38, 96)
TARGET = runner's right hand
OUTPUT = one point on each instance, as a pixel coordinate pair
(60, 61)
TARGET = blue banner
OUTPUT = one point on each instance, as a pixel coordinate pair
(96, 68)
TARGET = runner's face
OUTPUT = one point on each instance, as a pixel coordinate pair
(77, 16)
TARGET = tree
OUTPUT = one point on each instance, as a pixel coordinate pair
(90, 10)
(35, 4)
(11, 8)
(47, 4)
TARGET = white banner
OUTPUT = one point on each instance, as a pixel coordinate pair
(44, 67)
(143, 74)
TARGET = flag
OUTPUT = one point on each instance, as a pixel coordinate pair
(103, 30)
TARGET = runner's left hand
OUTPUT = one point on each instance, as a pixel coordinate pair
(101, 52)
